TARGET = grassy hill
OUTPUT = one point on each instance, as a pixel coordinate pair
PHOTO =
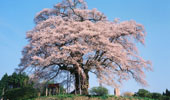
(80, 97)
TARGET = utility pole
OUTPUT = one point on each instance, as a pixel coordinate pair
(116, 92)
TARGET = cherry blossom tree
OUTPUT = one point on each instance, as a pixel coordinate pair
(71, 39)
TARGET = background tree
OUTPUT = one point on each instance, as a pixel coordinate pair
(157, 96)
(3, 84)
(143, 93)
(14, 85)
(99, 91)
(71, 39)
(167, 93)
(18, 80)
(14, 81)
(152, 95)
(23, 93)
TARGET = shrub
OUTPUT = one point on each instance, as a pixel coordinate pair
(156, 96)
(62, 90)
(99, 91)
(164, 98)
(20, 93)
(128, 94)
(143, 93)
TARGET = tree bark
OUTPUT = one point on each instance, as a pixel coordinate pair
(77, 83)
(82, 84)
(85, 83)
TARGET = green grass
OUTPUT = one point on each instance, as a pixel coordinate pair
(88, 97)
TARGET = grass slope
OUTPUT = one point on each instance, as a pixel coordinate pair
(80, 97)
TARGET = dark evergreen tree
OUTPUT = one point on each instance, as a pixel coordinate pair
(13, 81)
(167, 93)
(3, 84)
(18, 80)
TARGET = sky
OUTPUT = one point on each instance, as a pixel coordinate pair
(16, 18)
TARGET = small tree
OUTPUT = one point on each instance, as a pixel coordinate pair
(99, 91)
(143, 93)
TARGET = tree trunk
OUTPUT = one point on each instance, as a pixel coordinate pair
(46, 91)
(81, 85)
(85, 83)
(77, 84)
